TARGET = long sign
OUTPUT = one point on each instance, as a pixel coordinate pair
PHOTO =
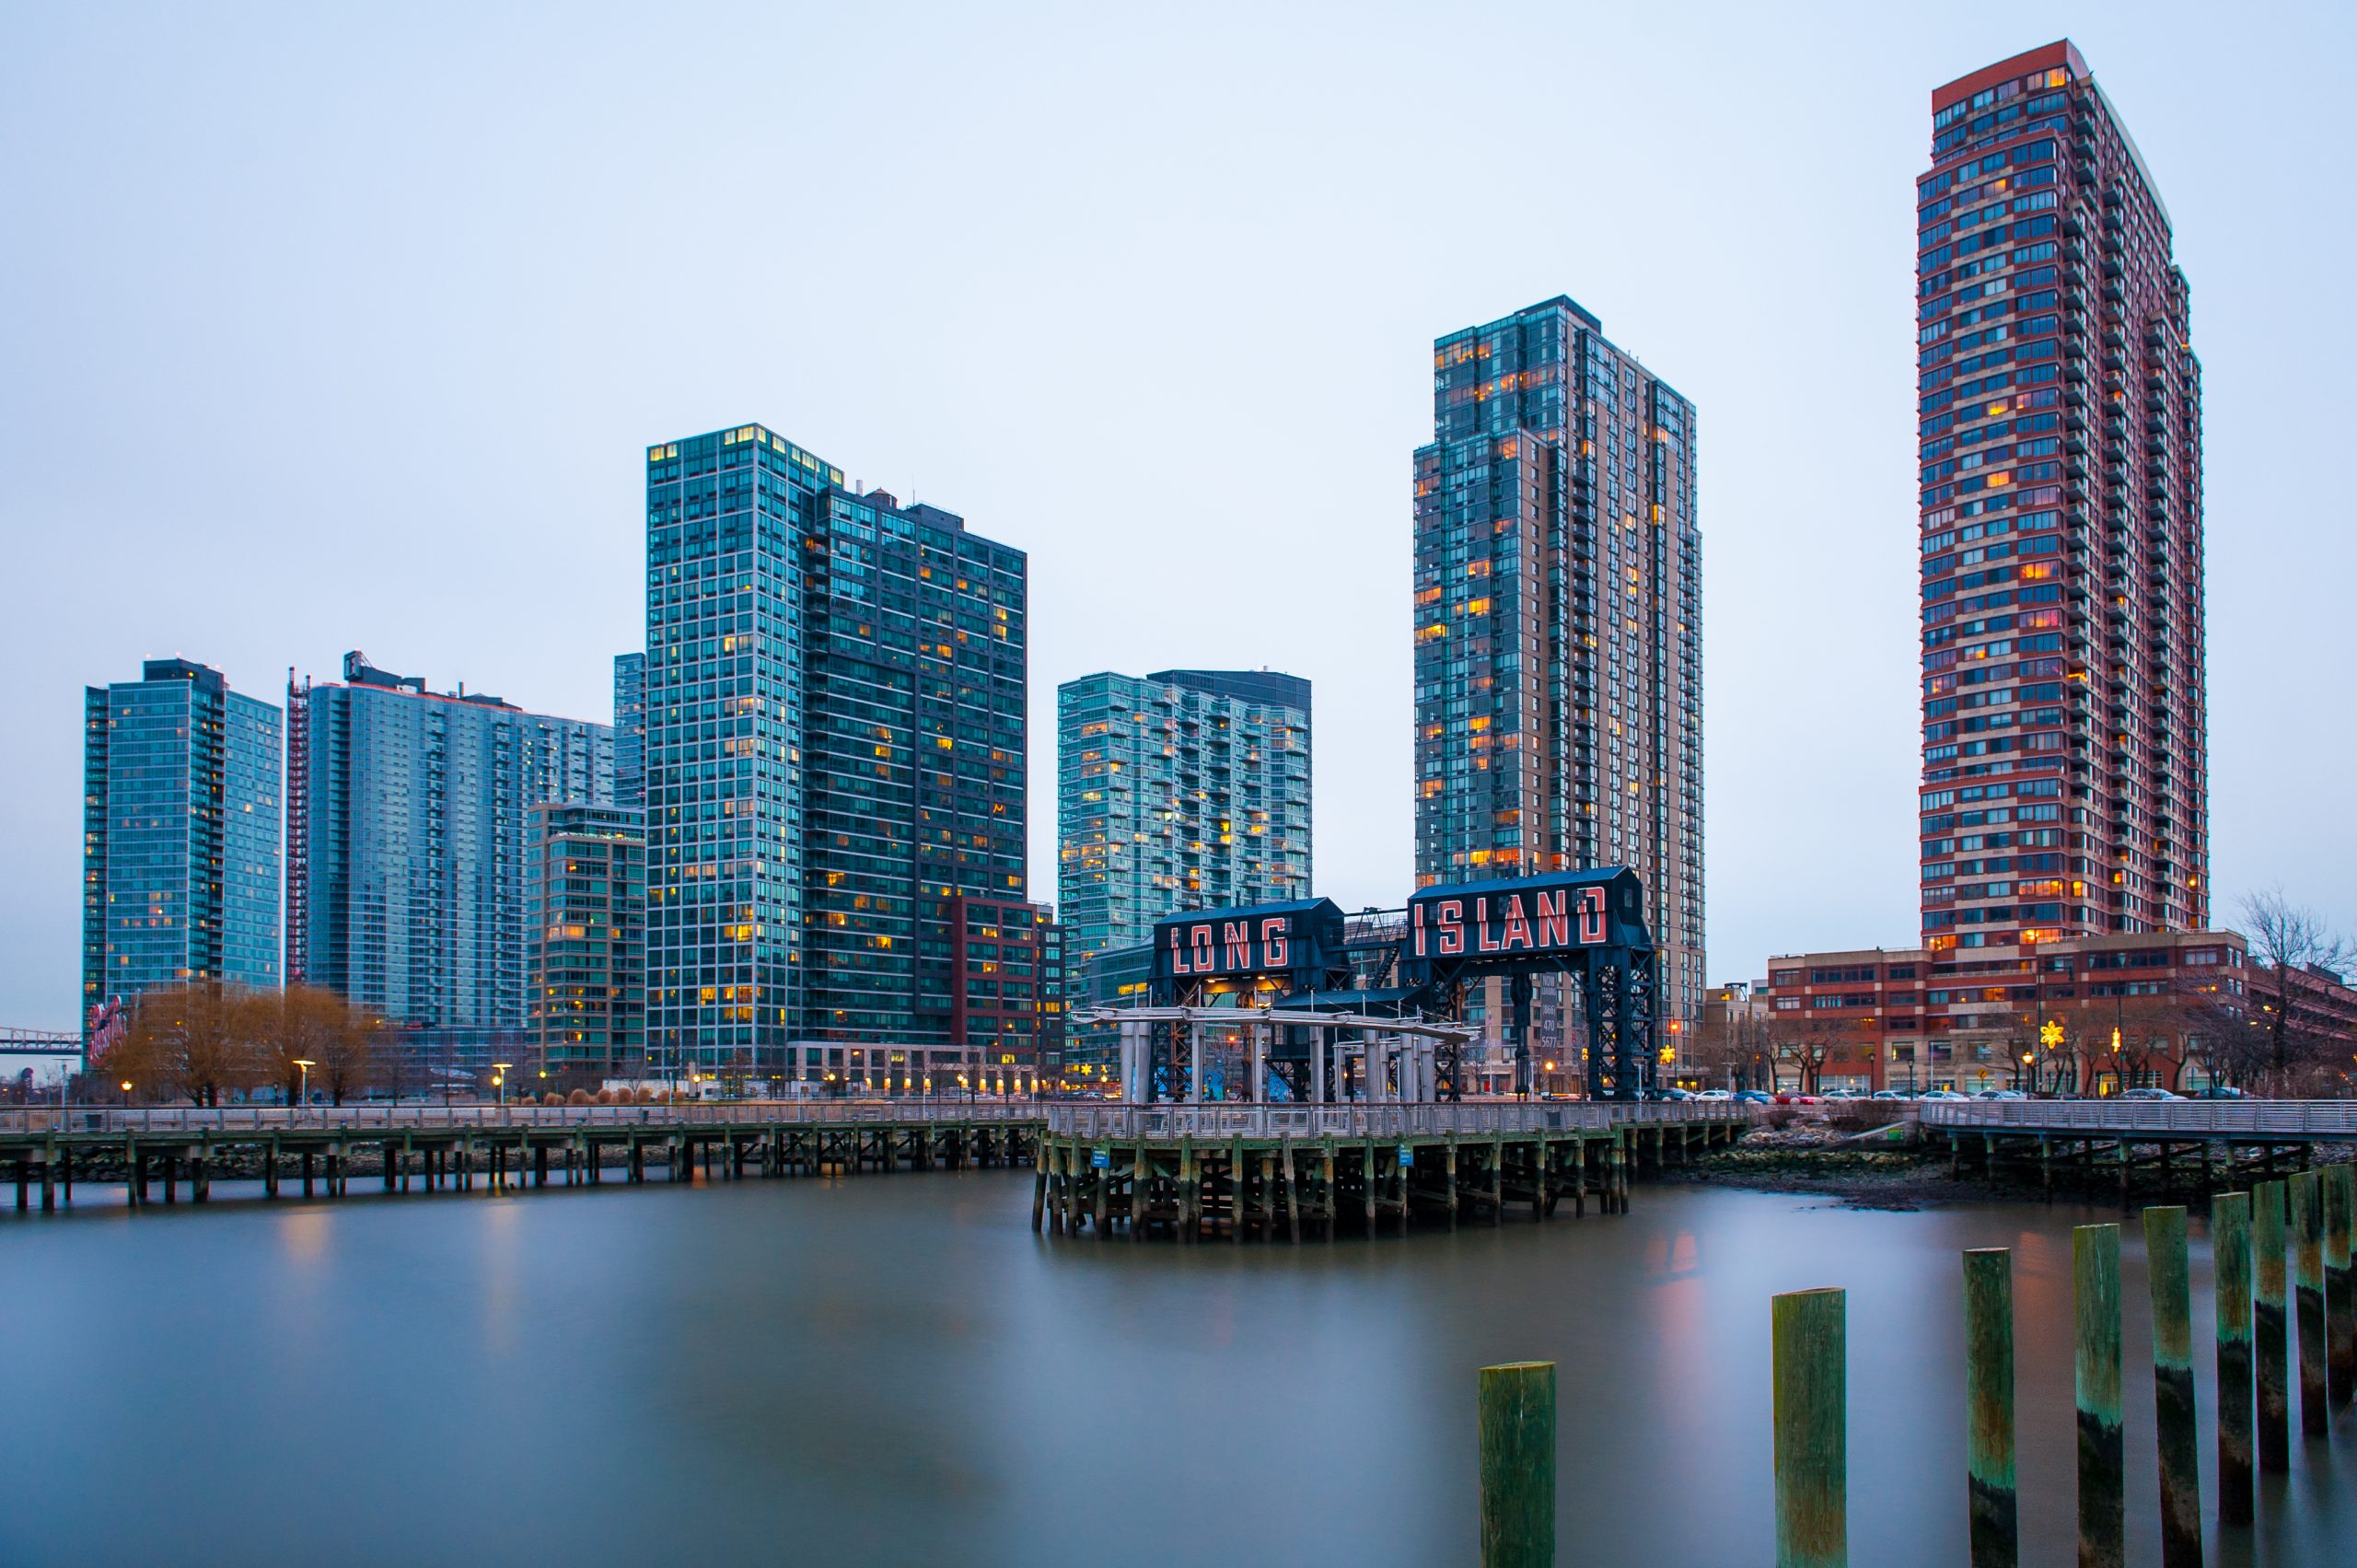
(1248, 945)
(1536, 921)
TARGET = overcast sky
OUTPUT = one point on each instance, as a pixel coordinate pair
(327, 330)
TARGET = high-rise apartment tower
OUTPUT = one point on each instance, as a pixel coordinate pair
(2065, 784)
(834, 751)
(1559, 622)
(180, 802)
(1187, 789)
(413, 854)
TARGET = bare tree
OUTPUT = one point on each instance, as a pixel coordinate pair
(201, 1040)
(2287, 938)
(1737, 1048)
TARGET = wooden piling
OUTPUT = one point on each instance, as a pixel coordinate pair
(1989, 1407)
(2103, 1502)
(2173, 1399)
(2270, 1338)
(2230, 1269)
(2306, 1192)
(1518, 1427)
(1292, 1196)
(2340, 1304)
(1810, 1373)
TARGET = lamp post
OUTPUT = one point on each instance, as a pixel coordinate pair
(126, 1092)
(303, 1093)
(499, 1081)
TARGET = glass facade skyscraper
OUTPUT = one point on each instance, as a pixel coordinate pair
(2065, 731)
(415, 845)
(180, 804)
(1558, 622)
(630, 731)
(834, 751)
(1185, 789)
(585, 935)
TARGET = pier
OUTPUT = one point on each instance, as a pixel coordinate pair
(458, 1147)
(1196, 1172)
(2204, 1145)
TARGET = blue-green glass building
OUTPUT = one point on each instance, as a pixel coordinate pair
(415, 807)
(1185, 789)
(180, 804)
(584, 933)
(834, 751)
(630, 731)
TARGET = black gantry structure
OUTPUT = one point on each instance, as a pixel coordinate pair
(1589, 926)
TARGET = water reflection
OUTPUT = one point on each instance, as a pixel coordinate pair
(894, 1369)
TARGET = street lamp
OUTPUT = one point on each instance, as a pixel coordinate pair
(303, 1094)
(499, 1080)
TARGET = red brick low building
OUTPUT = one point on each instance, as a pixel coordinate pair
(2093, 1014)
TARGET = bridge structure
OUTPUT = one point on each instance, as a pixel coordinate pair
(1417, 966)
(2207, 1145)
(38, 1042)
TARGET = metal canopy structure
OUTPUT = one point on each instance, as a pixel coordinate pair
(1254, 1054)
(1419, 965)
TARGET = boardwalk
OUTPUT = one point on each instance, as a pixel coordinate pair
(2204, 1144)
(438, 1146)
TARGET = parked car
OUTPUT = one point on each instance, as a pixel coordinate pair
(1793, 1096)
(1714, 1093)
(1665, 1095)
(1891, 1094)
(1943, 1094)
(2001, 1093)
(2148, 1094)
(1755, 1097)
(2222, 1091)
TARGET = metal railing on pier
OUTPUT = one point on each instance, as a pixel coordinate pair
(2256, 1118)
(262, 1120)
(1468, 1120)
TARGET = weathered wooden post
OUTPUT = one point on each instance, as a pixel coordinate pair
(1039, 1185)
(1517, 1424)
(2306, 1194)
(1989, 1406)
(2269, 1342)
(2230, 1268)
(1810, 1372)
(2172, 1401)
(2339, 1306)
(2103, 1499)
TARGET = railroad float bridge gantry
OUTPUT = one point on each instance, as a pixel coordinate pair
(1416, 965)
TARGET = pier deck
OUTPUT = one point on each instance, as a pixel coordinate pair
(2202, 1145)
(438, 1146)
(1194, 1171)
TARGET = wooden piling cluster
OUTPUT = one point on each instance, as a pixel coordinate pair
(2254, 1356)
(1245, 1186)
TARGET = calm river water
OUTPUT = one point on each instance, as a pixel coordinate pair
(893, 1369)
